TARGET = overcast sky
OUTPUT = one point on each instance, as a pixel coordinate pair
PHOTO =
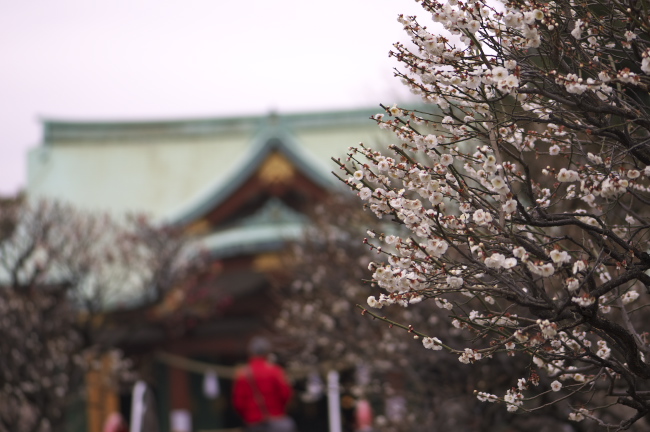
(159, 59)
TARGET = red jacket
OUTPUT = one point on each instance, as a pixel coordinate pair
(271, 384)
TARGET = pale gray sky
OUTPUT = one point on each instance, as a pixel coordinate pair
(158, 59)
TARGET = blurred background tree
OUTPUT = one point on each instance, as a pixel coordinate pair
(62, 272)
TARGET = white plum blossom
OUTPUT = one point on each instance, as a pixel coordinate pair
(486, 397)
(469, 356)
(549, 329)
(577, 29)
(603, 350)
(578, 266)
(454, 282)
(584, 300)
(498, 182)
(499, 73)
(523, 189)
(520, 253)
(373, 303)
(633, 174)
(446, 159)
(482, 217)
(559, 257)
(495, 261)
(566, 175)
(579, 415)
(629, 297)
(513, 399)
(572, 284)
(431, 141)
(645, 63)
(544, 270)
(510, 206)
(438, 247)
(395, 111)
(432, 343)
(578, 377)
(522, 384)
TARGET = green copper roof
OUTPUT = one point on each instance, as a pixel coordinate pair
(272, 138)
(58, 131)
(267, 229)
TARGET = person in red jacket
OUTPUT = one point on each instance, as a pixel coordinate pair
(115, 423)
(261, 392)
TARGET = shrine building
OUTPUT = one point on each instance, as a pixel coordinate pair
(241, 188)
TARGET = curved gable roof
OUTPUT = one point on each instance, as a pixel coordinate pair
(272, 138)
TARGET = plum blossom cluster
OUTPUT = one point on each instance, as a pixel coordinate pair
(522, 187)
(317, 314)
(432, 343)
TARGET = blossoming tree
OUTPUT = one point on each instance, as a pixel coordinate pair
(61, 271)
(409, 390)
(525, 190)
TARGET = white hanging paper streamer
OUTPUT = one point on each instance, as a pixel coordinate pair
(211, 388)
(314, 388)
(181, 421)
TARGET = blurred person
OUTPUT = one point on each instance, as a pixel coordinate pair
(115, 423)
(261, 392)
(363, 414)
